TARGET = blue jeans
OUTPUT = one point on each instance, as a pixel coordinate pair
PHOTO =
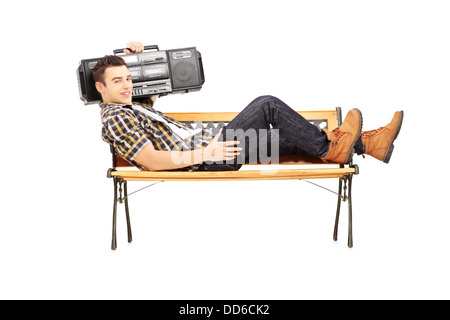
(267, 116)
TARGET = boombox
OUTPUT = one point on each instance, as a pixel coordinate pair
(154, 73)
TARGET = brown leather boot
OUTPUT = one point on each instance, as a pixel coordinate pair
(379, 143)
(343, 139)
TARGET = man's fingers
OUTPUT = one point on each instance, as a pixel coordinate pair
(134, 47)
(233, 148)
(231, 152)
(231, 143)
(222, 150)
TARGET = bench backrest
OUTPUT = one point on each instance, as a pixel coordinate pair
(322, 119)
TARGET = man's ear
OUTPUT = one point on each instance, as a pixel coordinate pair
(100, 87)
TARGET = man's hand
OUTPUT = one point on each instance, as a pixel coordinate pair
(134, 47)
(168, 160)
(221, 150)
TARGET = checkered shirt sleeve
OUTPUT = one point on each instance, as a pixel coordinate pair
(121, 130)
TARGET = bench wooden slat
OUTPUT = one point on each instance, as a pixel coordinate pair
(329, 115)
(283, 174)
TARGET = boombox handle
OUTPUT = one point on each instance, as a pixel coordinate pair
(153, 47)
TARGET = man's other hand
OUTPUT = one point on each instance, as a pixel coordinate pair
(221, 150)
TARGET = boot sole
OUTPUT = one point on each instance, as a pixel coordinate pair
(390, 149)
(351, 152)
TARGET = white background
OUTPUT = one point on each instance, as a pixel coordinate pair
(233, 240)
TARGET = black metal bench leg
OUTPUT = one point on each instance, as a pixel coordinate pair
(350, 218)
(114, 237)
(130, 236)
(338, 210)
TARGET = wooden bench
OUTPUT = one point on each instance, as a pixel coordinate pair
(322, 119)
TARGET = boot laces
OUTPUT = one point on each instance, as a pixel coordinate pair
(369, 134)
(337, 133)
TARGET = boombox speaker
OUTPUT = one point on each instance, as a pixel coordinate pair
(184, 68)
(154, 73)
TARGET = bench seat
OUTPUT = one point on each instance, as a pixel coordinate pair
(270, 174)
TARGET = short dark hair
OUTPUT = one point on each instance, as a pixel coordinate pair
(103, 63)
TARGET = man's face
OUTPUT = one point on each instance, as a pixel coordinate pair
(118, 86)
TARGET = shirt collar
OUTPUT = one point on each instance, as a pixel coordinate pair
(104, 105)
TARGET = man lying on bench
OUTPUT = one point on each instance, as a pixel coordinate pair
(152, 141)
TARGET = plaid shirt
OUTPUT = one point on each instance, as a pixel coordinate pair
(129, 131)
